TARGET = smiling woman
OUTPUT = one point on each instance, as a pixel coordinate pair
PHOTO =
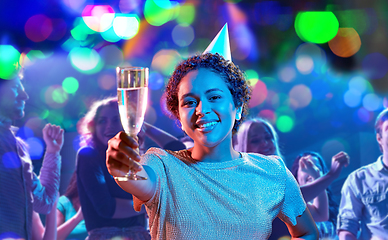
(239, 194)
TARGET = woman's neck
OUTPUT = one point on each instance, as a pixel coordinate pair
(220, 153)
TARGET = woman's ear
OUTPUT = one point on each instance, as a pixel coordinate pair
(238, 113)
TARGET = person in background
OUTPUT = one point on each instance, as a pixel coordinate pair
(70, 221)
(363, 208)
(107, 209)
(259, 136)
(49, 231)
(308, 167)
(21, 190)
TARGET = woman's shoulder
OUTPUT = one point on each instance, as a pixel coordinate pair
(271, 163)
(87, 151)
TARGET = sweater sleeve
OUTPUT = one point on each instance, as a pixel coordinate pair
(46, 187)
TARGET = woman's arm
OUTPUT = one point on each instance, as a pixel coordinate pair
(319, 208)
(65, 228)
(313, 189)
(305, 227)
(122, 156)
(48, 232)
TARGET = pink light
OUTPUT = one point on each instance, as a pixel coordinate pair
(38, 28)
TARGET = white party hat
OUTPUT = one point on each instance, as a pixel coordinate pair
(220, 44)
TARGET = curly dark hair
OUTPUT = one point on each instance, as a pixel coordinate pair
(232, 75)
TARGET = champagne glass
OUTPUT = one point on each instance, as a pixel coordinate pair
(132, 95)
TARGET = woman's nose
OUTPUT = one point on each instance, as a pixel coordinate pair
(202, 108)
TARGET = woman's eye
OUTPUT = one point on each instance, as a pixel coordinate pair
(102, 121)
(215, 97)
(189, 103)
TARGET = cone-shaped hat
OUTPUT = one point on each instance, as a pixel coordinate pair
(220, 44)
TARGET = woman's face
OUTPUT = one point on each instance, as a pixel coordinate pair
(206, 108)
(304, 177)
(108, 123)
(260, 140)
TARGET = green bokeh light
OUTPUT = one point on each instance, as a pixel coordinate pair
(186, 14)
(284, 123)
(44, 114)
(316, 27)
(70, 85)
(59, 95)
(9, 61)
(159, 12)
(110, 35)
(86, 60)
(80, 31)
(126, 26)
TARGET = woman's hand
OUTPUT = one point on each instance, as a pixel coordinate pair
(338, 161)
(307, 165)
(122, 155)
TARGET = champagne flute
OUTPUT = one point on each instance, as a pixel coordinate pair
(132, 95)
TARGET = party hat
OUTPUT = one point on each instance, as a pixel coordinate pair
(220, 44)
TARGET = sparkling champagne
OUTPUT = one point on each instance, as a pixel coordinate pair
(132, 107)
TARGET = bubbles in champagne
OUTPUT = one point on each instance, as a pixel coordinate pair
(132, 106)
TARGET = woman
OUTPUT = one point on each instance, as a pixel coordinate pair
(106, 208)
(308, 167)
(206, 192)
(258, 135)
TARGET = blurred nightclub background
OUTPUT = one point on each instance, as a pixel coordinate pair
(318, 68)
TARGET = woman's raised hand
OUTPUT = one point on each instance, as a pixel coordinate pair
(122, 155)
(338, 161)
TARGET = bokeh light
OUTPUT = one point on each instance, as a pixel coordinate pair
(99, 18)
(70, 85)
(259, 94)
(352, 98)
(127, 6)
(360, 84)
(74, 4)
(9, 61)
(59, 29)
(372, 102)
(304, 64)
(313, 56)
(159, 12)
(346, 43)
(268, 114)
(287, 74)
(156, 81)
(364, 115)
(107, 81)
(284, 123)
(55, 97)
(38, 28)
(182, 35)
(333, 146)
(252, 77)
(80, 31)
(126, 26)
(165, 61)
(36, 147)
(316, 27)
(85, 60)
(186, 14)
(375, 65)
(300, 96)
(12, 162)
